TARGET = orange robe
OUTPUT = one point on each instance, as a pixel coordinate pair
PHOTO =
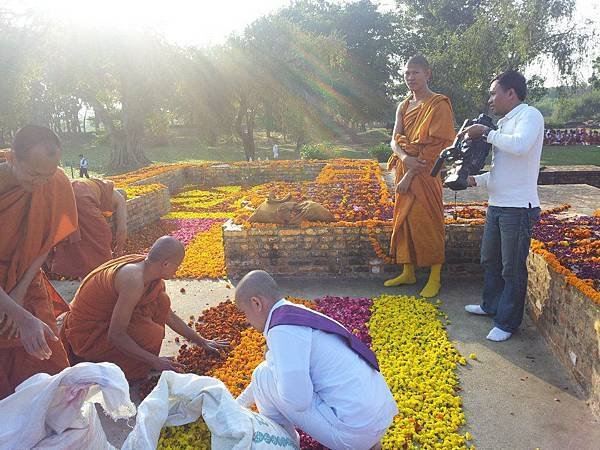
(418, 229)
(31, 224)
(91, 244)
(85, 328)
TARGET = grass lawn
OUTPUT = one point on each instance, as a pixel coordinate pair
(570, 155)
(188, 149)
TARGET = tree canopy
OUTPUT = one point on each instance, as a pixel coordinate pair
(314, 70)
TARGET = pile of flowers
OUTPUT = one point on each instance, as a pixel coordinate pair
(142, 189)
(415, 355)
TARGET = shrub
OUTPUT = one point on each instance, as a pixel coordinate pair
(381, 152)
(323, 150)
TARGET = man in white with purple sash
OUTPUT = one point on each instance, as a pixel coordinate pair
(316, 376)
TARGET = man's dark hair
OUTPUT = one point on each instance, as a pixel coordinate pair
(31, 135)
(511, 79)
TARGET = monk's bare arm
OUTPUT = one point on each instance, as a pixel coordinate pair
(119, 206)
(175, 323)
(410, 162)
(398, 129)
(19, 291)
(129, 284)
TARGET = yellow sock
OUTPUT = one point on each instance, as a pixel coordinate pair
(434, 284)
(406, 277)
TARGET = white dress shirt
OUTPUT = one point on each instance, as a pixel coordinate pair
(517, 148)
(305, 361)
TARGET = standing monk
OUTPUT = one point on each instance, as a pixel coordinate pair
(120, 311)
(37, 210)
(91, 244)
(424, 126)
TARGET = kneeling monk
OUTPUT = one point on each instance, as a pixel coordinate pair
(37, 210)
(317, 376)
(120, 311)
(91, 244)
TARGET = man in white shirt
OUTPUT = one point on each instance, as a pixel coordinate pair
(514, 206)
(83, 167)
(275, 151)
(326, 383)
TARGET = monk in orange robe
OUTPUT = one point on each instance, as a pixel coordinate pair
(424, 127)
(91, 245)
(37, 210)
(120, 311)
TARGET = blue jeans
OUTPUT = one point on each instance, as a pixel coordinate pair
(504, 250)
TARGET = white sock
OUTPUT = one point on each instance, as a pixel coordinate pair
(475, 309)
(498, 335)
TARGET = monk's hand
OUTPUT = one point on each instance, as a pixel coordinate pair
(9, 328)
(404, 185)
(166, 363)
(213, 345)
(413, 163)
(33, 333)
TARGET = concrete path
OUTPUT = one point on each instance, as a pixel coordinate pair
(516, 395)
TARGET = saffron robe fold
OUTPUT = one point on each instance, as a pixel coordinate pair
(91, 244)
(85, 328)
(33, 223)
(418, 235)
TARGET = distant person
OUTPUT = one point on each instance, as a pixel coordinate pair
(514, 205)
(83, 167)
(92, 243)
(275, 151)
(120, 311)
(424, 127)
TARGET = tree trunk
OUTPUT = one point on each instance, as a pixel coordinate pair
(299, 144)
(127, 153)
(246, 134)
(85, 120)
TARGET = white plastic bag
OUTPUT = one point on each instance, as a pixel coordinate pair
(58, 412)
(179, 399)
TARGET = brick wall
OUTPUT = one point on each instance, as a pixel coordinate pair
(570, 175)
(570, 323)
(144, 210)
(335, 251)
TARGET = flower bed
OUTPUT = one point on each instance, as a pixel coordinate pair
(414, 352)
(571, 246)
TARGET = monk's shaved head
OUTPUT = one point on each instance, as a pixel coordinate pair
(166, 248)
(419, 60)
(33, 136)
(257, 283)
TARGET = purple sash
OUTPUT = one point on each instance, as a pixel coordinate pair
(294, 315)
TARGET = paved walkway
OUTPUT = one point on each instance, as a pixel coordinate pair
(516, 395)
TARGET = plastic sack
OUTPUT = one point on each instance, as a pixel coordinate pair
(58, 411)
(179, 399)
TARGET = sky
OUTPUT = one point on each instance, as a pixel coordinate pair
(203, 22)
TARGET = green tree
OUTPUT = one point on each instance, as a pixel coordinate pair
(595, 78)
(124, 76)
(468, 42)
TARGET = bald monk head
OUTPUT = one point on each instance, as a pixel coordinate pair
(35, 153)
(165, 257)
(255, 295)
